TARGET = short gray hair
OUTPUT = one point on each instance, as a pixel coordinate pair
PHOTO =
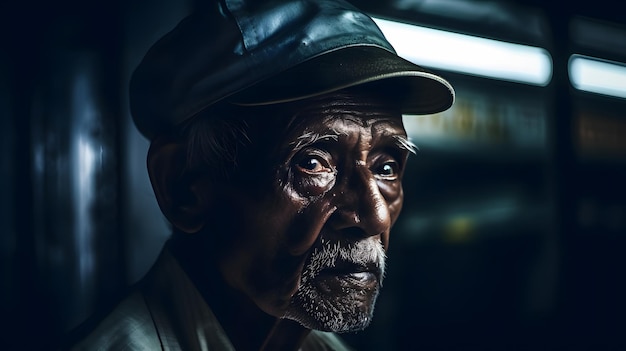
(213, 140)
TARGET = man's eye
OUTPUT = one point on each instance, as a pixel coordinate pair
(313, 165)
(388, 170)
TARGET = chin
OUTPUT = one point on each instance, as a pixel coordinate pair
(350, 309)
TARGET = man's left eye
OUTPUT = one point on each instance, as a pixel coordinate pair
(388, 170)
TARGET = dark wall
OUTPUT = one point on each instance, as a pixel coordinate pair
(63, 181)
(72, 162)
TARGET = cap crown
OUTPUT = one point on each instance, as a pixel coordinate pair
(232, 45)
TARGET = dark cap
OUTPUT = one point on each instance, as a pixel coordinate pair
(264, 52)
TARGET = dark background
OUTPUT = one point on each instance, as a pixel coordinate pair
(514, 226)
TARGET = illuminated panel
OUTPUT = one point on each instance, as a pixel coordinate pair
(598, 76)
(479, 118)
(468, 54)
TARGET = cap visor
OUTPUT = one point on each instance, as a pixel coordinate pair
(415, 89)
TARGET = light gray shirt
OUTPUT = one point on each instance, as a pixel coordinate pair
(167, 312)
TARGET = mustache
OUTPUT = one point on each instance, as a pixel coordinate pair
(327, 255)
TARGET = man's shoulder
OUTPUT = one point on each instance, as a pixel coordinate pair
(323, 341)
(128, 327)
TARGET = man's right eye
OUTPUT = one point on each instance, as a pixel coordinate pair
(313, 165)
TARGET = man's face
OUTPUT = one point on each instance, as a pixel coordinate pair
(308, 221)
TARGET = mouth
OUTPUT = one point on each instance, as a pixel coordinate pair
(346, 276)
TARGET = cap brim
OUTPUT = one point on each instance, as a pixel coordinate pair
(416, 90)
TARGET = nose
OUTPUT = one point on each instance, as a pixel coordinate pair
(362, 210)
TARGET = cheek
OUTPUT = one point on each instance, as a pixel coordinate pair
(395, 207)
(394, 197)
(307, 225)
(306, 187)
(276, 278)
(308, 191)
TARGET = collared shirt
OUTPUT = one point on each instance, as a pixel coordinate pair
(167, 312)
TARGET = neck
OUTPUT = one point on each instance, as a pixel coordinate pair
(246, 325)
(285, 335)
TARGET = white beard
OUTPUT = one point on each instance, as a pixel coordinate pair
(342, 313)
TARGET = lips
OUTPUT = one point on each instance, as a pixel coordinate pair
(349, 268)
(347, 275)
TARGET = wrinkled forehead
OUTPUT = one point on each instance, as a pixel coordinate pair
(340, 112)
(344, 124)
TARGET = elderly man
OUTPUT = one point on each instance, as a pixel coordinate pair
(277, 154)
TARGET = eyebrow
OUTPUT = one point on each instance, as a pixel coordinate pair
(404, 143)
(310, 138)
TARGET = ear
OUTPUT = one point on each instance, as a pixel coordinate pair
(183, 198)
